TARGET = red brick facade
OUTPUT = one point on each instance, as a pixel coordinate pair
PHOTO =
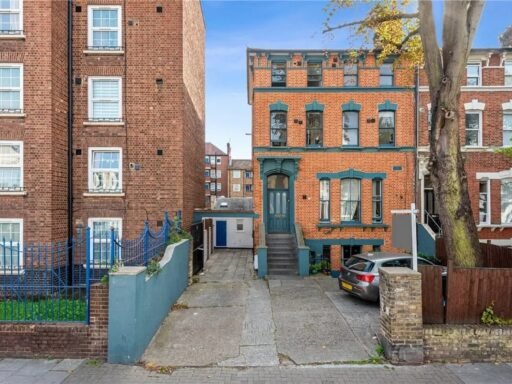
(160, 132)
(61, 340)
(366, 161)
(482, 163)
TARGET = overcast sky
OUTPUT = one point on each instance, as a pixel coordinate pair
(232, 26)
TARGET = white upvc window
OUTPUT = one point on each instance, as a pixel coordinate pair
(212, 187)
(11, 166)
(236, 174)
(508, 72)
(219, 186)
(474, 74)
(218, 174)
(219, 159)
(11, 244)
(101, 234)
(474, 128)
(105, 96)
(11, 17)
(507, 128)
(104, 27)
(11, 88)
(484, 203)
(105, 170)
(506, 201)
(236, 187)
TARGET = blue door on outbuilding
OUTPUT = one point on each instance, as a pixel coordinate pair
(221, 234)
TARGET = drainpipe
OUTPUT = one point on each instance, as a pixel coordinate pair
(417, 123)
(70, 139)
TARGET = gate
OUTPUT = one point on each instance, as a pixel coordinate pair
(197, 238)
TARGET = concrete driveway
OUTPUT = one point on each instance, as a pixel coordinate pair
(231, 319)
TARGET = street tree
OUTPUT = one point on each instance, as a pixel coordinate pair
(395, 29)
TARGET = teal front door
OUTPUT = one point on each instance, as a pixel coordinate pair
(278, 207)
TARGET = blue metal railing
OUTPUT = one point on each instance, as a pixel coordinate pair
(51, 282)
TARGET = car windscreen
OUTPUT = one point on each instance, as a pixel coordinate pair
(358, 264)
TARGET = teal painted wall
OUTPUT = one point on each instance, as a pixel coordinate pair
(262, 261)
(138, 304)
(426, 244)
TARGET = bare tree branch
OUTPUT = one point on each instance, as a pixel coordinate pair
(373, 20)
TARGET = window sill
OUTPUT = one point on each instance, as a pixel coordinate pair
(12, 37)
(13, 193)
(104, 194)
(97, 265)
(493, 227)
(104, 123)
(9, 272)
(103, 52)
(351, 225)
(13, 115)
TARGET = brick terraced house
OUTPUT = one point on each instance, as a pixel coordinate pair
(240, 178)
(216, 163)
(339, 142)
(333, 149)
(116, 141)
(485, 127)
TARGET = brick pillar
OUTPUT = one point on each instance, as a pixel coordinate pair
(335, 258)
(98, 321)
(401, 321)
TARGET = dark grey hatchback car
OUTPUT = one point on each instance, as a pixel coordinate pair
(359, 275)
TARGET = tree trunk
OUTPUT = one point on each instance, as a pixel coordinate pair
(445, 69)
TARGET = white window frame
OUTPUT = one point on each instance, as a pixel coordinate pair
(20, 143)
(218, 174)
(90, 169)
(20, 243)
(505, 63)
(212, 187)
(236, 174)
(9, 11)
(119, 28)
(473, 63)
(236, 187)
(219, 186)
(90, 98)
(219, 159)
(501, 197)
(506, 113)
(488, 210)
(90, 222)
(480, 128)
(20, 66)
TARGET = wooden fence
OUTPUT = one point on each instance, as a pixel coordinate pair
(467, 293)
(493, 256)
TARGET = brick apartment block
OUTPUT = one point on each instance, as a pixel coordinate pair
(137, 115)
(216, 163)
(335, 141)
(240, 178)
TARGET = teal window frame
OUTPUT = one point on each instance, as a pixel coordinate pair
(310, 141)
(351, 75)
(273, 72)
(385, 74)
(351, 201)
(377, 199)
(345, 128)
(325, 201)
(381, 129)
(314, 78)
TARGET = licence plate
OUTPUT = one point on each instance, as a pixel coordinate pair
(346, 286)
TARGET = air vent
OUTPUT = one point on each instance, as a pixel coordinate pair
(159, 9)
(159, 223)
(78, 152)
(159, 152)
(159, 81)
(78, 8)
(78, 81)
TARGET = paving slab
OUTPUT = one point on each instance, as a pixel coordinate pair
(12, 364)
(68, 365)
(37, 367)
(197, 337)
(483, 373)
(215, 295)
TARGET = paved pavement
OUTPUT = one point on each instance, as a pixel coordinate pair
(233, 328)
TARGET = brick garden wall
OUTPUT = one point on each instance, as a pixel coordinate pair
(60, 340)
(467, 343)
